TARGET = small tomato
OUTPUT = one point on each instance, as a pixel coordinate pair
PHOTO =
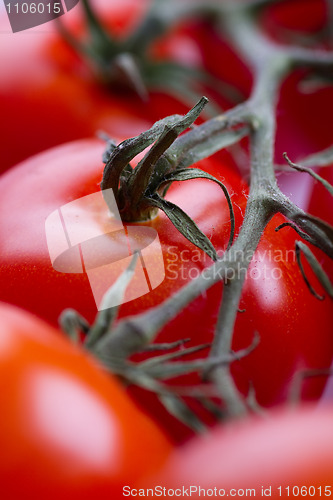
(67, 430)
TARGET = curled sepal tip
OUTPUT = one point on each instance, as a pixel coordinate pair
(309, 171)
(324, 280)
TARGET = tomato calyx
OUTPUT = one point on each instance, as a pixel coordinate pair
(126, 63)
(140, 192)
(112, 61)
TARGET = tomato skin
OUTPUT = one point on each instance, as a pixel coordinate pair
(67, 429)
(287, 449)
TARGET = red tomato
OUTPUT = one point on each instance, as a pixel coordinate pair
(215, 48)
(303, 128)
(285, 20)
(50, 180)
(303, 117)
(196, 43)
(305, 102)
(56, 99)
(49, 95)
(67, 430)
(294, 327)
(279, 306)
(288, 454)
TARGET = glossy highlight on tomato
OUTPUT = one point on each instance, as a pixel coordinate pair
(68, 430)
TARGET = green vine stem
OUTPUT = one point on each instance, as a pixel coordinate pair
(255, 118)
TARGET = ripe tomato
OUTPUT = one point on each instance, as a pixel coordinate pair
(63, 174)
(305, 101)
(67, 430)
(294, 327)
(58, 97)
(288, 454)
(286, 20)
(303, 129)
(282, 310)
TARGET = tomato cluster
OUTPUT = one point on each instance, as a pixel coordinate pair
(68, 427)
